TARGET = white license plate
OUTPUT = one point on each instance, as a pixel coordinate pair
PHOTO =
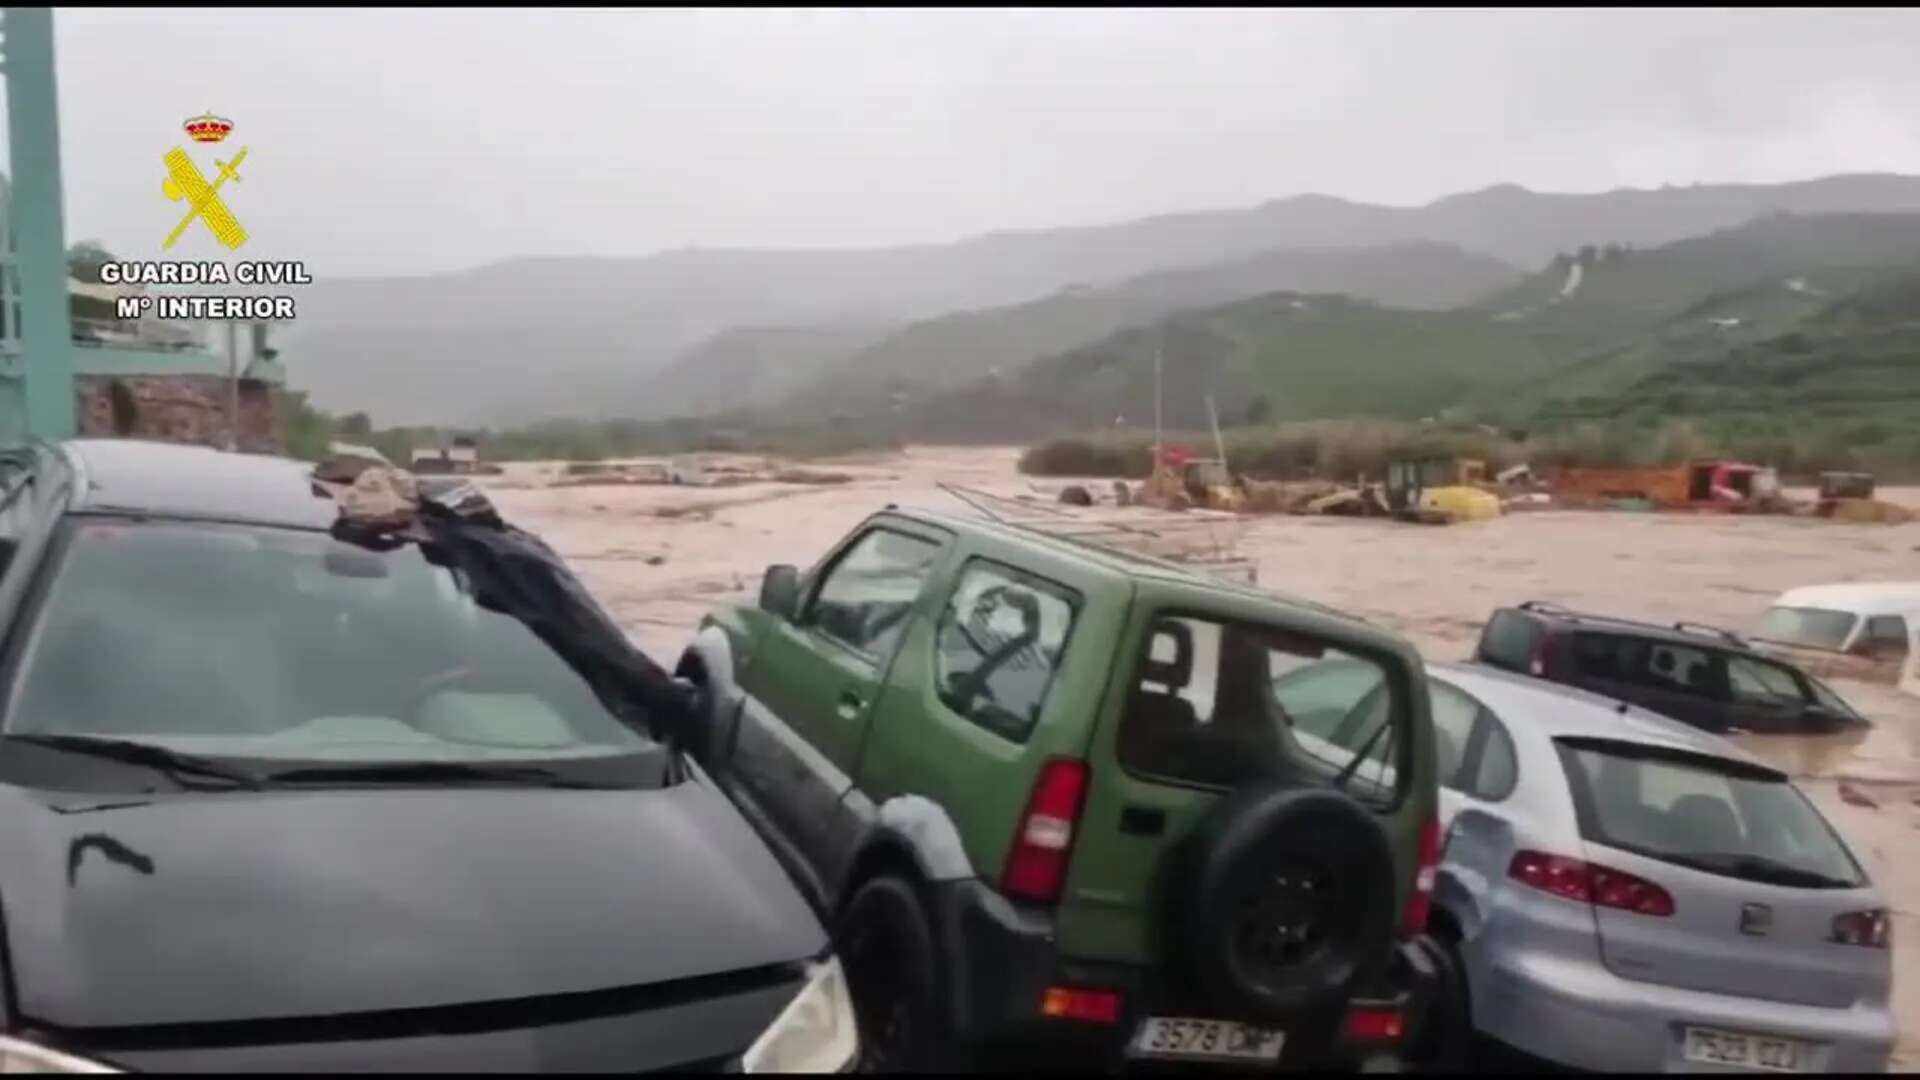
(1711, 1046)
(1203, 1040)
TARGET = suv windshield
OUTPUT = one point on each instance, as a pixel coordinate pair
(1724, 817)
(290, 646)
(1816, 628)
(1225, 704)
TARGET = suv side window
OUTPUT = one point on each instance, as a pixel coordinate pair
(1678, 667)
(865, 599)
(1508, 641)
(1222, 704)
(1001, 637)
(1886, 637)
(1758, 681)
(1658, 665)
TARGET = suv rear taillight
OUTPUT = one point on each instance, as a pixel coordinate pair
(1037, 864)
(1414, 919)
(1591, 883)
(1868, 928)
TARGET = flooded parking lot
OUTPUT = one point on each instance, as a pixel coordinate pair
(660, 556)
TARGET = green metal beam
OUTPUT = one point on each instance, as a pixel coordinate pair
(37, 226)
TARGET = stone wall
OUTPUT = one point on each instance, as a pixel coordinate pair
(178, 408)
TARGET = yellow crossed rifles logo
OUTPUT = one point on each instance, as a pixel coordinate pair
(185, 182)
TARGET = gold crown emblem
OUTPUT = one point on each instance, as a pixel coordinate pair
(207, 127)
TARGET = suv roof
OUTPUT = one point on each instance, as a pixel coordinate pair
(1132, 564)
(1687, 633)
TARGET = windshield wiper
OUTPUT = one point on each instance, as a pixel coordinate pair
(428, 772)
(174, 765)
(1761, 868)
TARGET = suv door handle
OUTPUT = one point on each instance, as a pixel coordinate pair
(849, 706)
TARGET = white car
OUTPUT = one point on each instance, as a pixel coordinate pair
(1863, 629)
(1627, 893)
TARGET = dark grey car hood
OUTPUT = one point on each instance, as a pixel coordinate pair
(304, 903)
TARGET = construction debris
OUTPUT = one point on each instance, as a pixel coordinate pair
(1698, 485)
(1440, 491)
(809, 476)
(1846, 485)
(1863, 511)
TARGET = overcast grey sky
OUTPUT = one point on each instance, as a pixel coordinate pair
(403, 141)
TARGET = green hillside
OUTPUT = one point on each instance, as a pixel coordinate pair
(1851, 361)
(1604, 294)
(753, 366)
(1276, 357)
(1784, 327)
(941, 353)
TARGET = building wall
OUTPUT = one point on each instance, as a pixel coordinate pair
(177, 408)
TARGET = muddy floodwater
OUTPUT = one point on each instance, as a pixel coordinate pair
(659, 556)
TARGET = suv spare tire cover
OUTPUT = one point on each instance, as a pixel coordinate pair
(1285, 899)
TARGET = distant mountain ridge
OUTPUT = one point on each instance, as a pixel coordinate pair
(532, 337)
(949, 350)
(1784, 313)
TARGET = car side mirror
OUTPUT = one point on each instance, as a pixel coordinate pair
(780, 591)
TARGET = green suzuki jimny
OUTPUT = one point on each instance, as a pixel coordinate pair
(1066, 804)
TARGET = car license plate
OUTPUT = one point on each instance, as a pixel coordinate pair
(1220, 1040)
(1711, 1046)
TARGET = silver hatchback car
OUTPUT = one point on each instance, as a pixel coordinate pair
(1626, 893)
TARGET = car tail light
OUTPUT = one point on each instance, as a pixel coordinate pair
(1372, 1024)
(1414, 919)
(1590, 883)
(1071, 1003)
(1869, 928)
(1037, 864)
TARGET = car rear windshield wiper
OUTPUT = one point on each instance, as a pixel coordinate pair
(427, 772)
(182, 769)
(1760, 868)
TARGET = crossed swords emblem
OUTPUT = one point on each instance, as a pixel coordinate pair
(185, 182)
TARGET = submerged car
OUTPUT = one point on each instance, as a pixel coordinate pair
(1710, 678)
(1627, 894)
(1068, 804)
(1867, 630)
(275, 800)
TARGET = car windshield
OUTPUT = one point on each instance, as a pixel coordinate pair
(1724, 817)
(232, 641)
(1817, 628)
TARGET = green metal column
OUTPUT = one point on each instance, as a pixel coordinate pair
(33, 136)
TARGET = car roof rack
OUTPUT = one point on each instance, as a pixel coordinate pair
(1545, 606)
(1684, 626)
(1687, 627)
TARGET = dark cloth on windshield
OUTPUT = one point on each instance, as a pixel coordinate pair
(515, 573)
